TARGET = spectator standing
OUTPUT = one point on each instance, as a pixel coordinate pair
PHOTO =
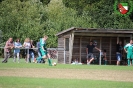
(129, 50)
(31, 51)
(119, 49)
(105, 57)
(7, 49)
(89, 52)
(17, 46)
(27, 46)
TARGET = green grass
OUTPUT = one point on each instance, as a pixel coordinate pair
(66, 66)
(18, 82)
(22, 64)
(31, 82)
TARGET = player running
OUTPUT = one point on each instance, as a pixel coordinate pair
(43, 50)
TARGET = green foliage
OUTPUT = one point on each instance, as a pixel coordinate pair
(61, 18)
(78, 4)
(101, 12)
(0, 36)
(34, 18)
(45, 2)
(22, 19)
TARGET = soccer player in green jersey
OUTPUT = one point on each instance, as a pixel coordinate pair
(129, 50)
(43, 50)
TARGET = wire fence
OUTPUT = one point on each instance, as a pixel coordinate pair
(52, 51)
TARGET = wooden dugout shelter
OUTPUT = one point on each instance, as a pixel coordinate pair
(74, 41)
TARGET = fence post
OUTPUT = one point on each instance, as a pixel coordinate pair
(100, 59)
(64, 57)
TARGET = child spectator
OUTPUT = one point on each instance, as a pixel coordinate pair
(104, 57)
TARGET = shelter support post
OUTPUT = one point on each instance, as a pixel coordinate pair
(71, 41)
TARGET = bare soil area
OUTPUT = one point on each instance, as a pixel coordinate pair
(69, 74)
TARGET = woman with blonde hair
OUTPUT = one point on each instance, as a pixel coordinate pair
(27, 45)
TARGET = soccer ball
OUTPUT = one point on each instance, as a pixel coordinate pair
(54, 64)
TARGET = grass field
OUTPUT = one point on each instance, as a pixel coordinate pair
(31, 75)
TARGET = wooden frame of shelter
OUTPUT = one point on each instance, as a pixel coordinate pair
(74, 41)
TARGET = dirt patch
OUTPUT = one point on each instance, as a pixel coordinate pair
(69, 74)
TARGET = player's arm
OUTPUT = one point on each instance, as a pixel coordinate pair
(125, 50)
(97, 49)
(117, 40)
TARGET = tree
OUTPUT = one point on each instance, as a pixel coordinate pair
(22, 19)
(45, 2)
(61, 18)
(101, 12)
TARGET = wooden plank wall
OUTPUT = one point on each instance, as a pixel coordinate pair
(76, 47)
(84, 43)
(113, 50)
(67, 57)
(105, 44)
(61, 44)
(61, 52)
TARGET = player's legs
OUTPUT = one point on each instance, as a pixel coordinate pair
(132, 59)
(39, 53)
(87, 57)
(92, 58)
(128, 58)
(49, 59)
(118, 59)
(44, 56)
(39, 58)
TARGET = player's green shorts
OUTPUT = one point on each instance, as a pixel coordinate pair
(129, 55)
(43, 52)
